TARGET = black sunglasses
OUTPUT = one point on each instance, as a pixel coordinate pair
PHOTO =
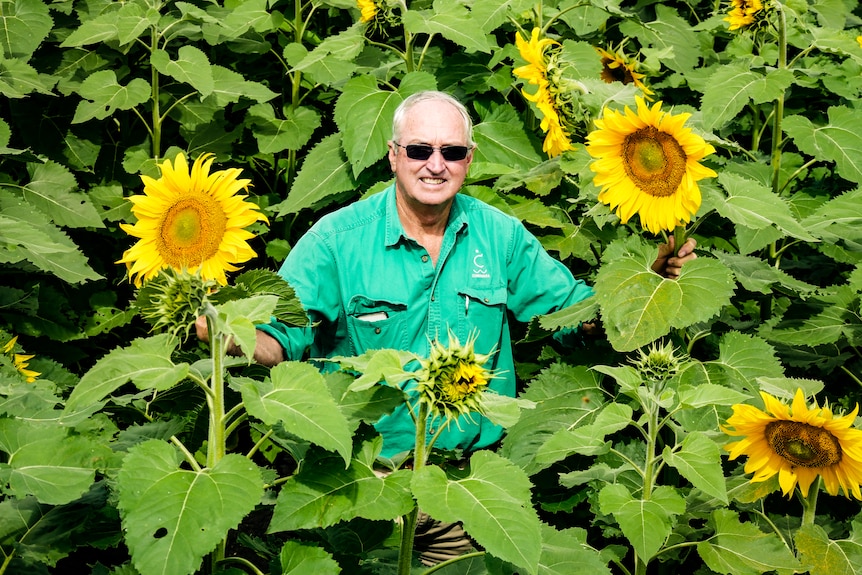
(424, 151)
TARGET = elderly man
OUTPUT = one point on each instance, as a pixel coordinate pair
(419, 259)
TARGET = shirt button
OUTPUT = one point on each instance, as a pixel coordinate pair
(425, 259)
(376, 330)
(486, 300)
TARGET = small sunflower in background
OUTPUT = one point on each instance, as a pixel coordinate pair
(20, 361)
(798, 444)
(537, 52)
(617, 67)
(367, 9)
(190, 220)
(647, 163)
(453, 378)
(743, 13)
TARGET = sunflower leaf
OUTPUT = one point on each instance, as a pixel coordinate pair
(566, 552)
(51, 189)
(103, 95)
(646, 523)
(146, 362)
(325, 172)
(302, 558)
(493, 503)
(191, 67)
(823, 556)
(698, 459)
(172, 517)
(274, 135)
(742, 359)
(296, 396)
(836, 142)
(452, 20)
(732, 87)
(743, 548)
(638, 306)
(23, 27)
(324, 492)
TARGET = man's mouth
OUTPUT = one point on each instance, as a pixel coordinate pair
(432, 180)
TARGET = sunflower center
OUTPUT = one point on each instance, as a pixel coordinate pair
(191, 231)
(654, 161)
(802, 444)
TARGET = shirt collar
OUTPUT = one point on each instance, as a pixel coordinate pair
(395, 229)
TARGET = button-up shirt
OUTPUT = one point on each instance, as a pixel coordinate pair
(367, 285)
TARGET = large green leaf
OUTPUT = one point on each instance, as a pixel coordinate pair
(191, 67)
(646, 523)
(838, 141)
(297, 397)
(731, 87)
(274, 135)
(125, 23)
(303, 559)
(743, 549)
(289, 309)
(231, 86)
(699, 460)
(46, 461)
(565, 396)
(639, 306)
(51, 189)
(755, 206)
(838, 219)
(324, 492)
(567, 552)
(331, 62)
(586, 439)
(824, 556)
(756, 275)
(146, 362)
(493, 503)
(18, 79)
(24, 24)
(452, 20)
(741, 360)
(103, 95)
(172, 516)
(324, 173)
(238, 319)
(830, 318)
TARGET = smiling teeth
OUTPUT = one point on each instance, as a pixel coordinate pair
(433, 180)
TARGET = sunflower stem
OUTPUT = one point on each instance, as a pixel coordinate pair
(678, 238)
(809, 503)
(216, 439)
(408, 524)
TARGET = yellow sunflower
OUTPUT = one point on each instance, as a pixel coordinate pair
(190, 220)
(368, 9)
(798, 444)
(859, 39)
(536, 72)
(616, 67)
(743, 13)
(19, 361)
(647, 163)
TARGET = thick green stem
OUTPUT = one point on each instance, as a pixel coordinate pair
(653, 426)
(809, 503)
(779, 112)
(217, 436)
(678, 238)
(408, 526)
(154, 83)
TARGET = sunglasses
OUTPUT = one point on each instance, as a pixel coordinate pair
(424, 151)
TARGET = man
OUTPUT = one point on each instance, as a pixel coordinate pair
(410, 263)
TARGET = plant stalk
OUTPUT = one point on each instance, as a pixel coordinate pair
(809, 503)
(408, 526)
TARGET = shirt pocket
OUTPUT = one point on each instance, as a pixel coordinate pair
(484, 312)
(375, 324)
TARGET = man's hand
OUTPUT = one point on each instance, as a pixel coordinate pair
(267, 350)
(668, 265)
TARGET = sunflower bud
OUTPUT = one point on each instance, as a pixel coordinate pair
(172, 300)
(659, 362)
(453, 378)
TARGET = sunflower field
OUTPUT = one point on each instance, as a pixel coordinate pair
(159, 159)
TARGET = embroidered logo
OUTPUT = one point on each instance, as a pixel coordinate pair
(479, 269)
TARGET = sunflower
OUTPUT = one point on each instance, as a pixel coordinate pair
(19, 361)
(859, 40)
(368, 9)
(190, 221)
(743, 13)
(616, 67)
(453, 378)
(647, 163)
(798, 444)
(535, 72)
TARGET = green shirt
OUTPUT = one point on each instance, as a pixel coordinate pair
(370, 286)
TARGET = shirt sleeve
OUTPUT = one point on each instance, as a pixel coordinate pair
(306, 265)
(539, 284)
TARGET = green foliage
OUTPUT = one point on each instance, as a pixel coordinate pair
(131, 454)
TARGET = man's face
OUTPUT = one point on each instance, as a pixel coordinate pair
(435, 181)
